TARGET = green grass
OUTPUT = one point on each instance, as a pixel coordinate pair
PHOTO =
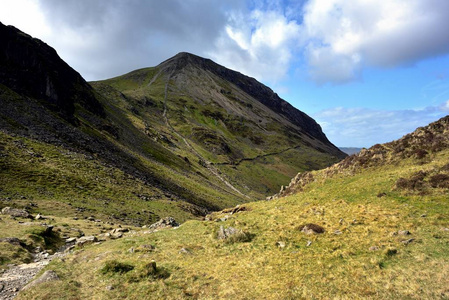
(360, 254)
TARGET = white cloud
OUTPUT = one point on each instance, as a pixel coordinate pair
(25, 15)
(258, 43)
(342, 37)
(101, 39)
(362, 127)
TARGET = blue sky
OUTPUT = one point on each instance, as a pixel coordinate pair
(368, 71)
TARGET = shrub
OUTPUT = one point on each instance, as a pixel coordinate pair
(114, 266)
(439, 181)
(414, 183)
(420, 153)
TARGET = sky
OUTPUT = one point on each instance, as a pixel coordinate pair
(367, 71)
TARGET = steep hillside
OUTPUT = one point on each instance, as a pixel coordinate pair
(227, 125)
(61, 144)
(375, 226)
(184, 138)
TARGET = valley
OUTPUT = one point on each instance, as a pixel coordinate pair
(188, 180)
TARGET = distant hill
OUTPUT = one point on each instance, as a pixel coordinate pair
(350, 150)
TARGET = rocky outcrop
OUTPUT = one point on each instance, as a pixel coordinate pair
(167, 222)
(30, 67)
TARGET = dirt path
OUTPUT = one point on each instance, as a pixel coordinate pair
(16, 277)
(208, 164)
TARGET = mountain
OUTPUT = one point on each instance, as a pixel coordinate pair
(224, 123)
(373, 226)
(183, 138)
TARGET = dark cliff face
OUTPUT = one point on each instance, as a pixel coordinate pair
(255, 89)
(30, 67)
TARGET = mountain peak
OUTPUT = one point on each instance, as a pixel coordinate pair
(250, 86)
(183, 59)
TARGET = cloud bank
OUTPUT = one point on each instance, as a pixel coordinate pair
(343, 37)
(107, 38)
(331, 40)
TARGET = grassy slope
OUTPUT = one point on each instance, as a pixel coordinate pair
(191, 109)
(333, 266)
(52, 176)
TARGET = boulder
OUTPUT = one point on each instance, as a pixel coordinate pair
(224, 233)
(15, 212)
(86, 240)
(167, 222)
(231, 235)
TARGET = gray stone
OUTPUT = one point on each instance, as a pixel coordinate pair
(116, 235)
(224, 233)
(70, 240)
(86, 240)
(184, 251)
(167, 222)
(17, 213)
